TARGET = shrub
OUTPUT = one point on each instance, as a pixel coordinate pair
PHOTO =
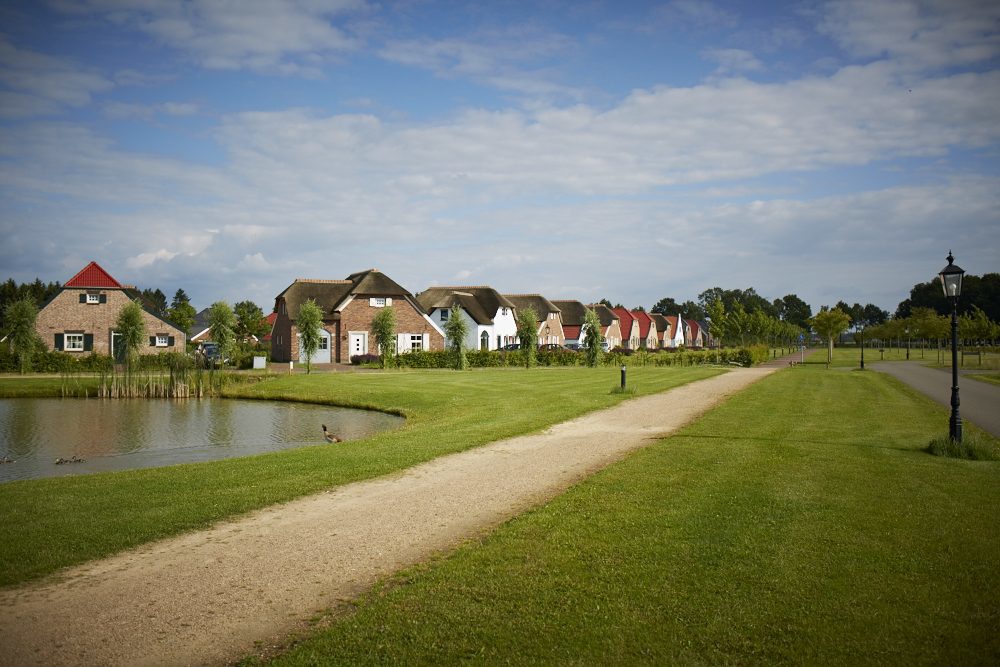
(973, 447)
(359, 359)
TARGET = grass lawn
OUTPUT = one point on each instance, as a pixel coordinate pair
(51, 523)
(992, 379)
(800, 522)
(850, 357)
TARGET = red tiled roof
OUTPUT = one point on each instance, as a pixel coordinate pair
(270, 320)
(644, 322)
(624, 321)
(672, 321)
(93, 275)
(571, 331)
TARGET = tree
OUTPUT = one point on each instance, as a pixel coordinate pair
(793, 309)
(19, 325)
(222, 328)
(593, 339)
(691, 311)
(666, 306)
(456, 330)
(384, 330)
(829, 324)
(182, 315)
(250, 321)
(131, 326)
(309, 323)
(156, 301)
(180, 296)
(981, 291)
(527, 333)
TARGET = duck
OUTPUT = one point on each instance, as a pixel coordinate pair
(7, 459)
(330, 437)
(74, 459)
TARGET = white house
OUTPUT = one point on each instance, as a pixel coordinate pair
(490, 318)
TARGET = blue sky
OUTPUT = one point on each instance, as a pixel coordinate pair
(581, 150)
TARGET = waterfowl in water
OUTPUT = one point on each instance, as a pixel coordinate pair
(330, 437)
(74, 459)
(7, 459)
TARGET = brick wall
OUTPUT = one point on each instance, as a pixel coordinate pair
(65, 314)
(358, 315)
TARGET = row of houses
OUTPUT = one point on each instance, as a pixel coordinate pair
(81, 318)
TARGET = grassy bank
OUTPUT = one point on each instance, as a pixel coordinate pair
(800, 522)
(51, 523)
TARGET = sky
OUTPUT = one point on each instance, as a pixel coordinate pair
(580, 149)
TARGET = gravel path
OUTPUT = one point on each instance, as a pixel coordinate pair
(207, 597)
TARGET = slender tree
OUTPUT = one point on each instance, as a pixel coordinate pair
(527, 332)
(593, 339)
(131, 326)
(829, 324)
(19, 324)
(384, 330)
(309, 323)
(456, 330)
(222, 328)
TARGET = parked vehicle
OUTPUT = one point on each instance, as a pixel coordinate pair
(209, 355)
(552, 346)
(512, 346)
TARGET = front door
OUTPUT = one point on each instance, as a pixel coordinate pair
(484, 341)
(357, 342)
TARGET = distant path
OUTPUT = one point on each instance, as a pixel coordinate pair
(783, 362)
(207, 597)
(979, 402)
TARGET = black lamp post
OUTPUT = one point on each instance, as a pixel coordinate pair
(861, 334)
(951, 283)
(907, 343)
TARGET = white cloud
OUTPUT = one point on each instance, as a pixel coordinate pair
(260, 35)
(513, 60)
(734, 61)
(38, 84)
(917, 33)
(145, 259)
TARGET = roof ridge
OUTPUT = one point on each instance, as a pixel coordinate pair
(324, 281)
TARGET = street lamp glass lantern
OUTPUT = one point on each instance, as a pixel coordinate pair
(951, 278)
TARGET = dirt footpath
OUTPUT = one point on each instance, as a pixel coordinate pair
(207, 597)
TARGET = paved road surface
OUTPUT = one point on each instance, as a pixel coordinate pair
(979, 402)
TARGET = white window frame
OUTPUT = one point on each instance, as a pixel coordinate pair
(162, 340)
(416, 342)
(93, 298)
(445, 314)
(73, 342)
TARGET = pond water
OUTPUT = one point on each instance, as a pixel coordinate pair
(128, 434)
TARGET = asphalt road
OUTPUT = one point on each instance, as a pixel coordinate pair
(979, 402)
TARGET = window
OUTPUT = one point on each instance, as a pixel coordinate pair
(379, 302)
(324, 342)
(93, 298)
(503, 311)
(73, 342)
(444, 314)
(162, 340)
(416, 342)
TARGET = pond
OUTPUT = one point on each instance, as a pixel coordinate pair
(100, 435)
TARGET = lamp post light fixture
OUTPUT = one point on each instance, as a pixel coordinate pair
(907, 343)
(951, 283)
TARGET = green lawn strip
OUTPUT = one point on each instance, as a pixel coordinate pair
(800, 522)
(850, 357)
(992, 379)
(51, 523)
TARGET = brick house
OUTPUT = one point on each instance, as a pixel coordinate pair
(348, 308)
(550, 326)
(647, 330)
(82, 317)
(611, 327)
(629, 328)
